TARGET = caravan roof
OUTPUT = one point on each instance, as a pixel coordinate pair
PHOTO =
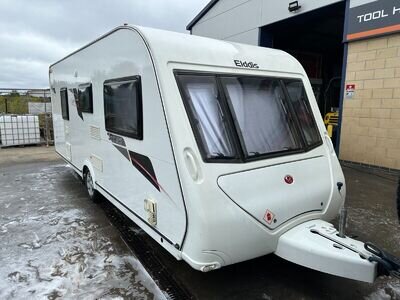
(173, 47)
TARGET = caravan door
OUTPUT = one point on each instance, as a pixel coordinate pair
(66, 123)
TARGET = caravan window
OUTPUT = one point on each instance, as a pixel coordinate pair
(123, 106)
(85, 96)
(207, 116)
(258, 105)
(245, 118)
(302, 108)
(64, 103)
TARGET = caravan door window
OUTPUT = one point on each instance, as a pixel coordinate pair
(64, 103)
(123, 106)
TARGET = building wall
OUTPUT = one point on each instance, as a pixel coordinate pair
(371, 119)
(240, 20)
(228, 21)
(354, 3)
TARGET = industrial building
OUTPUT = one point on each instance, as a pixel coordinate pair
(350, 50)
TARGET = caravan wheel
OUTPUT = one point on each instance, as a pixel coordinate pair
(88, 180)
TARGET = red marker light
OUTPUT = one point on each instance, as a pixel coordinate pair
(288, 179)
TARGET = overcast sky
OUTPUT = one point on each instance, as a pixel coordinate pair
(36, 33)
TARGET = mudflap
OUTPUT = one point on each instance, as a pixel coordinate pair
(316, 245)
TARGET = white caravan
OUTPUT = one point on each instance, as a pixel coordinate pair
(216, 149)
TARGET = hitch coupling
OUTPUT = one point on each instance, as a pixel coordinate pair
(388, 264)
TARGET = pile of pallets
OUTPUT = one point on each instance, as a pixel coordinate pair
(18, 130)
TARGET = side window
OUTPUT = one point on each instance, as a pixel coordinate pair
(123, 106)
(85, 96)
(64, 103)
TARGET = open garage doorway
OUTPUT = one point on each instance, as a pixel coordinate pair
(316, 39)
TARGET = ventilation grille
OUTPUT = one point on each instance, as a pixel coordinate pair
(95, 132)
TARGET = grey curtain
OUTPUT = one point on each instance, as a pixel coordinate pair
(208, 113)
(260, 114)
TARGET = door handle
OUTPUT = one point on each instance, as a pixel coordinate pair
(192, 165)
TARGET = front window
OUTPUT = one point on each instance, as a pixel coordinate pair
(301, 105)
(247, 117)
(208, 117)
(258, 106)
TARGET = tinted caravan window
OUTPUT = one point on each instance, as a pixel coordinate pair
(85, 97)
(64, 104)
(301, 105)
(123, 106)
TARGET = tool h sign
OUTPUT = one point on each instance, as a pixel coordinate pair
(373, 19)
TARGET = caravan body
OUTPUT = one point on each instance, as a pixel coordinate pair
(216, 149)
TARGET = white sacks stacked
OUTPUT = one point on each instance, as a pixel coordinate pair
(19, 130)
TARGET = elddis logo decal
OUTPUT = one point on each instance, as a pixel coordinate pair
(245, 64)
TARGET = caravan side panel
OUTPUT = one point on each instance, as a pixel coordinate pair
(128, 171)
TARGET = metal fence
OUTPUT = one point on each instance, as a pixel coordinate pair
(36, 102)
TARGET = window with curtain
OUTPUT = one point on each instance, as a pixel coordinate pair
(258, 106)
(207, 116)
(248, 117)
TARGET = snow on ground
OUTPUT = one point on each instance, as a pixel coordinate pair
(56, 244)
(390, 290)
(381, 221)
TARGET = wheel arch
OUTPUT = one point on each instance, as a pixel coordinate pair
(87, 165)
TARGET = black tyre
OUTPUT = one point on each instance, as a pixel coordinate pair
(89, 184)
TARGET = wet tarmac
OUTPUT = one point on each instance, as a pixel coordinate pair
(56, 243)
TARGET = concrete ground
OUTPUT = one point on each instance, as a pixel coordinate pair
(55, 242)
(29, 154)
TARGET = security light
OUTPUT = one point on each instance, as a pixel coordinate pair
(294, 6)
